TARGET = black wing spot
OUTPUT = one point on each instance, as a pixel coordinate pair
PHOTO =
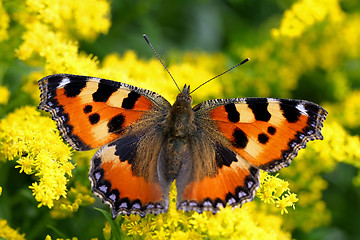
(259, 108)
(129, 102)
(87, 109)
(263, 138)
(125, 148)
(94, 118)
(240, 140)
(233, 114)
(115, 125)
(104, 91)
(271, 130)
(53, 82)
(289, 110)
(224, 156)
(96, 161)
(74, 87)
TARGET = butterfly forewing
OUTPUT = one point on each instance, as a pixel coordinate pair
(91, 112)
(269, 132)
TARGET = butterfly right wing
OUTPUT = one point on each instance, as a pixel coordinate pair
(238, 137)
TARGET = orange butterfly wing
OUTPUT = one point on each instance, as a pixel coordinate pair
(93, 112)
(248, 134)
(268, 133)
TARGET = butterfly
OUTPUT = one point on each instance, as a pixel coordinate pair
(214, 150)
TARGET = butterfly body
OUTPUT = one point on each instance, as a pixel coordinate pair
(214, 150)
(179, 127)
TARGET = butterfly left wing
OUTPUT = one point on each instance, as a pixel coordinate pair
(120, 119)
(246, 134)
(124, 175)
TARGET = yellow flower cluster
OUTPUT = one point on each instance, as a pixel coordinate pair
(49, 37)
(48, 237)
(4, 23)
(279, 63)
(306, 13)
(107, 231)
(4, 94)
(77, 196)
(72, 17)
(248, 222)
(338, 146)
(293, 53)
(304, 174)
(34, 142)
(276, 191)
(60, 54)
(6, 232)
(347, 112)
(194, 69)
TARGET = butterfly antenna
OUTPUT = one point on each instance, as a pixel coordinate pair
(244, 61)
(148, 42)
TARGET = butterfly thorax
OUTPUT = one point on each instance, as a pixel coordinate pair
(180, 119)
(179, 127)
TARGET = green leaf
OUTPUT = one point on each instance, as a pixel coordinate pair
(116, 232)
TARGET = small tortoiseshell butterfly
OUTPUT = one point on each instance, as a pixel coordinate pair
(214, 150)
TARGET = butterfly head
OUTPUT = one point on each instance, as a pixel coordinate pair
(184, 96)
(186, 89)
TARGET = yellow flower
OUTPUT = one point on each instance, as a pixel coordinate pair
(26, 164)
(129, 69)
(285, 202)
(347, 112)
(48, 237)
(107, 231)
(86, 20)
(248, 222)
(275, 191)
(77, 196)
(305, 174)
(35, 142)
(60, 54)
(134, 229)
(305, 13)
(4, 94)
(6, 232)
(4, 23)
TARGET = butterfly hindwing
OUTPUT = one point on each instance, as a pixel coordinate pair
(116, 178)
(91, 112)
(234, 183)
